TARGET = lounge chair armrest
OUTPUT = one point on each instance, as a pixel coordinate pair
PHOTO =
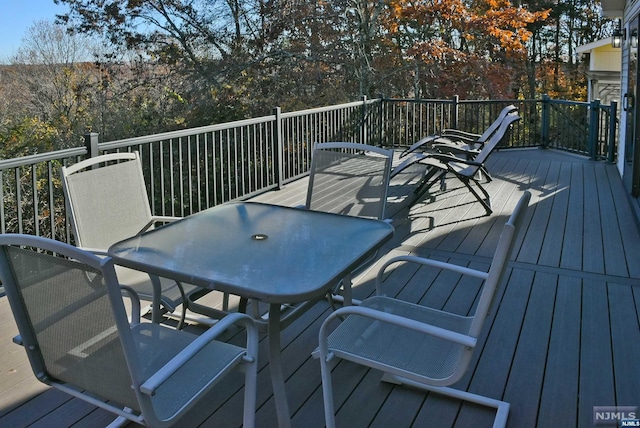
(447, 158)
(427, 262)
(417, 157)
(456, 133)
(171, 367)
(456, 150)
(386, 317)
(443, 157)
(469, 162)
(418, 144)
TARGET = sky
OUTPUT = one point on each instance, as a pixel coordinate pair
(16, 16)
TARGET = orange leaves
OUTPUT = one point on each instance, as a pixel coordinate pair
(474, 26)
(466, 44)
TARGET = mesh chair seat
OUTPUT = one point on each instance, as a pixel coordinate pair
(156, 345)
(365, 339)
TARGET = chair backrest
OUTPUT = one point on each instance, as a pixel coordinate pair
(350, 179)
(499, 262)
(497, 136)
(496, 123)
(106, 204)
(64, 316)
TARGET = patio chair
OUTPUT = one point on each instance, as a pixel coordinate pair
(457, 141)
(108, 204)
(74, 326)
(466, 170)
(349, 179)
(413, 344)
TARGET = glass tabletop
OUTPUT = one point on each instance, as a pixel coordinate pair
(267, 252)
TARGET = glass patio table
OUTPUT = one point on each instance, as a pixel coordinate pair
(269, 253)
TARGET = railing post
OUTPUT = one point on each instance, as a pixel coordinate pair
(613, 135)
(594, 126)
(91, 143)
(545, 122)
(279, 140)
(456, 112)
(363, 118)
(381, 124)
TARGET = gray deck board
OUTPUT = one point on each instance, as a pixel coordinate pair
(563, 336)
(559, 398)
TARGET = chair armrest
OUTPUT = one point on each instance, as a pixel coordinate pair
(381, 316)
(417, 157)
(164, 218)
(456, 150)
(157, 219)
(96, 251)
(427, 262)
(171, 367)
(418, 144)
(135, 304)
(456, 133)
(447, 158)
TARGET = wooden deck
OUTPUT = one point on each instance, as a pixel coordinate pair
(563, 337)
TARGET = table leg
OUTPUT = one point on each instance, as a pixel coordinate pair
(275, 366)
(156, 314)
(347, 292)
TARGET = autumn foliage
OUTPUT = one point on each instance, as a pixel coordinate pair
(470, 49)
(163, 65)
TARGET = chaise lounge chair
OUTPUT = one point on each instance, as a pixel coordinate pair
(466, 170)
(459, 142)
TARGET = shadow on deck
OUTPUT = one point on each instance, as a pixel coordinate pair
(564, 335)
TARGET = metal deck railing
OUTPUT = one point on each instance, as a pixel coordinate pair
(193, 169)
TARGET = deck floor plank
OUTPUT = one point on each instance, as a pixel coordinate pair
(593, 252)
(611, 233)
(563, 336)
(625, 343)
(573, 235)
(524, 386)
(551, 251)
(559, 398)
(596, 366)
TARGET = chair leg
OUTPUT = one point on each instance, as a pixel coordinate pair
(327, 393)
(486, 201)
(427, 182)
(502, 407)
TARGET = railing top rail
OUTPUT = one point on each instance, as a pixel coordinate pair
(328, 108)
(184, 133)
(501, 101)
(419, 101)
(574, 103)
(42, 157)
